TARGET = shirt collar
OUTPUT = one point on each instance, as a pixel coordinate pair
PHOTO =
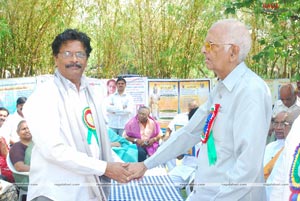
(234, 76)
(83, 81)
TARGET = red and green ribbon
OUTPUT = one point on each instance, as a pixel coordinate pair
(89, 123)
(207, 135)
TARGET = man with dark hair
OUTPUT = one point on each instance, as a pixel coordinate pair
(120, 107)
(3, 115)
(9, 128)
(72, 158)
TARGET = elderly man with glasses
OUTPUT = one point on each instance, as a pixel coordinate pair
(281, 128)
(232, 125)
(285, 125)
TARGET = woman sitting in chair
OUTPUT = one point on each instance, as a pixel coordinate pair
(20, 154)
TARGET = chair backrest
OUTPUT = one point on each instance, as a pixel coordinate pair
(12, 167)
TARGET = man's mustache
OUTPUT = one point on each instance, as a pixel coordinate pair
(78, 65)
(2, 119)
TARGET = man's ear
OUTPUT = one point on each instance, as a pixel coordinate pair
(234, 52)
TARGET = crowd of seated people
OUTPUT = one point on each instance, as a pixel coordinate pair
(8, 189)
(288, 101)
(141, 138)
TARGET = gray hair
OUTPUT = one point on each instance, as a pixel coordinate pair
(288, 87)
(20, 124)
(236, 33)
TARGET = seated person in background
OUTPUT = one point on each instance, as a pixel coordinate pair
(274, 148)
(123, 148)
(182, 174)
(179, 120)
(144, 131)
(20, 154)
(289, 101)
(282, 126)
(3, 115)
(6, 174)
(275, 165)
(9, 127)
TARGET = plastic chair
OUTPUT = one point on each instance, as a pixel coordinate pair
(12, 168)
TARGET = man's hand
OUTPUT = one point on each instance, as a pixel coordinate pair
(151, 141)
(117, 171)
(137, 170)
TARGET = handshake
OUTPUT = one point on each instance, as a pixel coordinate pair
(125, 172)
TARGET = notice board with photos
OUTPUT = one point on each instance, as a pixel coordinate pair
(167, 98)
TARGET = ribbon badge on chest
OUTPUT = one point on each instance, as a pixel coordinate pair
(89, 123)
(207, 135)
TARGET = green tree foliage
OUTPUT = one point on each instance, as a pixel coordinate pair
(26, 27)
(275, 30)
(159, 39)
(153, 38)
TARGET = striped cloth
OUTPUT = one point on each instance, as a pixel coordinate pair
(151, 187)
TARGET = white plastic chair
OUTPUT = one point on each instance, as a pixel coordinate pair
(12, 168)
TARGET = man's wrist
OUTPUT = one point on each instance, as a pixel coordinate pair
(135, 140)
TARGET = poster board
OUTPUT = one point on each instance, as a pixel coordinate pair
(13, 88)
(168, 97)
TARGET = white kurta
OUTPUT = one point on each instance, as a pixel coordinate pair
(57, 169)
(280, 190)
(240, 132)
(279, 107)
(272, 149)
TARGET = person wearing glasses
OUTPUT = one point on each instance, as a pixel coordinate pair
(274, 151)
(281, 128)
(232, 125)
(288, 102)
(72, 158)
(144, 131)
(286, 170)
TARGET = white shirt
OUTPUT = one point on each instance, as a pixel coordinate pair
(272, 149)
(239, 132)
(179, 120)
(279, 107)
(57, 169)
(9, 127)
(281, 191)
(116, 113)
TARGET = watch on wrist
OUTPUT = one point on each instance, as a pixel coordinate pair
(135, 140)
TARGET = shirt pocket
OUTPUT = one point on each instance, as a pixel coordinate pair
(220, 126)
